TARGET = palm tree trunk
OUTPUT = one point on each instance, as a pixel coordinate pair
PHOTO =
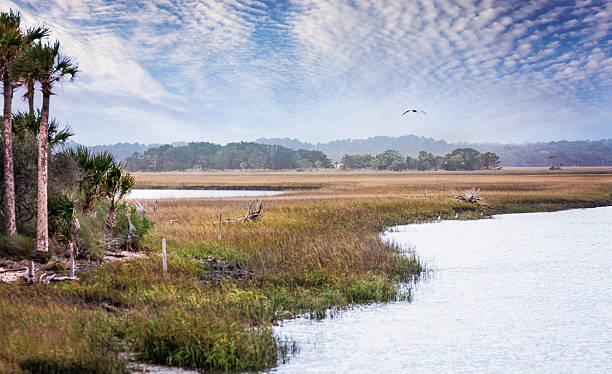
(9, 177)
(42, 224)
(30, 96)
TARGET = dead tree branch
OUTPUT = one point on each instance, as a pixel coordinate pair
(471, 196)
(252, 214)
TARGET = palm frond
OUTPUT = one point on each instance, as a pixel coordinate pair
(35, 33)
(10, 19)
(60, 136)
(42, 62)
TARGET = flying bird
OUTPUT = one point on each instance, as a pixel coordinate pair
(414, 111)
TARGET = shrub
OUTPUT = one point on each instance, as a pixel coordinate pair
(138, 219)
(90, 238)
(62, 214)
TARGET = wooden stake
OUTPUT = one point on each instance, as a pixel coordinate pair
(71, 247)
(30, 272)
(164, 261)
(219, 231)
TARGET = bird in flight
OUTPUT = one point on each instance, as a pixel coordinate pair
(414, 111)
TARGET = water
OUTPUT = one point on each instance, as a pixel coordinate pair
(148, 194)
(514, 294)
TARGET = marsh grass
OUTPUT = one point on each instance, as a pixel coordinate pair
(312, 250)
(43, 334)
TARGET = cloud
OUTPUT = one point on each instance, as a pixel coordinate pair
(234, 69)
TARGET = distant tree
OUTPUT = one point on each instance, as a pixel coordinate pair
(554, 162)
(453, 162)
(356, 161)
(313, 157)
(425, 161)
(411, 163)
(398, 165)
(462, 159)
(303, 164)
(489, 160)
(387, 158)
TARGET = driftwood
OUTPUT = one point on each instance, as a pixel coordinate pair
(471, 196)
(12, 270)
(115, 254)
(46, 278)
(254, 212)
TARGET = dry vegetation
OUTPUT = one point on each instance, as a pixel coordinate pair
(312, 249)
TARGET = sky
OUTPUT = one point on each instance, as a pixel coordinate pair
(160, 71)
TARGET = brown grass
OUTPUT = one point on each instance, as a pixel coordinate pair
(498, 186)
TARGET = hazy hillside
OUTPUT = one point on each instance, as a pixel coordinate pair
(121, 151)
(582, 152)
(406, 145)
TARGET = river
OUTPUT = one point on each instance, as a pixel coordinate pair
(513, 294)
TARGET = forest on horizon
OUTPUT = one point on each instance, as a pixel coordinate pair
(569, 153)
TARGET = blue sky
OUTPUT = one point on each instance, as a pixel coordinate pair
(318, 70)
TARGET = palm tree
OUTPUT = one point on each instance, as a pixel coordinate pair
(45, 64)
(12, 42)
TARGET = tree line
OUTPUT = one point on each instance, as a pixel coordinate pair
(52, 196)
(458, 159)
(210, 156)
